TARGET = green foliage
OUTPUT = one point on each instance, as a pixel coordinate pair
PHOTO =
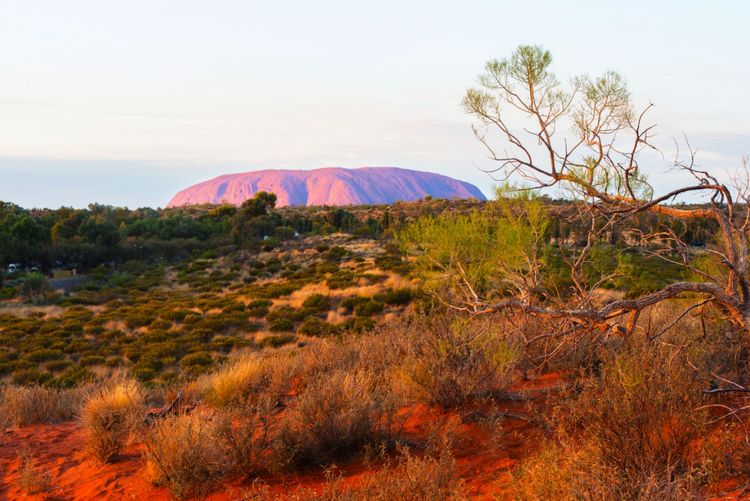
(479, 249)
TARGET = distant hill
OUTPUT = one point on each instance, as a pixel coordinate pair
(328, 186)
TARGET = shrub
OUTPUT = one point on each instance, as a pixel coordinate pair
(281, 325)
(368, 308)
(455, 359)
(32, 479)
(258, 308)
(108, 417)
(183, 454)
(22, 406)
(629, 432)
(359, 324)
(396, 297)
(313, 326)
(334, 416)
(317, 302)
(244, 433)
(276, 340)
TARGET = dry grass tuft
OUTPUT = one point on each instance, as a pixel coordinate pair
(26, 405)
(109, 416)
(334, 416)
(183, 453)
(244, 378)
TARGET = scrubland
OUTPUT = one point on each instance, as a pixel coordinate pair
(324, 368)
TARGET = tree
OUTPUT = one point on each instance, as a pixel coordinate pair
(35, 288)
(253, 220)
(524, 113)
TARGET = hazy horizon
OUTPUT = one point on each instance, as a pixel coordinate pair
(125, 104)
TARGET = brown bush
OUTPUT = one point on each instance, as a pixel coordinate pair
(454, 359)
(245, 434)
(109, 416)
(25, 405)
(334, 416)
(625, 433)
(183, 453)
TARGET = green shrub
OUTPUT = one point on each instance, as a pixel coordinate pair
(314, 326)
(368, 308)
(281, 325)
(258, 308)
(317, 302)
(276, 340)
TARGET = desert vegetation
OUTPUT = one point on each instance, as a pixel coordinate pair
(592, 346)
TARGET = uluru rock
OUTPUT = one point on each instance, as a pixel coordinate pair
(328, 186)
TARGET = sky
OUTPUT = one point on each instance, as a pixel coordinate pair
(126, 102)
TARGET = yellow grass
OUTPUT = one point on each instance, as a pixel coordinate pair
(108, 417)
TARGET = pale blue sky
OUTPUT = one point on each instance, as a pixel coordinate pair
(125, 102)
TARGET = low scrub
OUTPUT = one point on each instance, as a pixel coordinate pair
(432, 476)
(23, 406)
(455, 359)
(109, 416)
(244, 433)
(334, 416)
(630, 432)
(183, 453)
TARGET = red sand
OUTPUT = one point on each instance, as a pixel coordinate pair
(58, 451)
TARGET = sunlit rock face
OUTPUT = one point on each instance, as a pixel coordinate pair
(328, 186)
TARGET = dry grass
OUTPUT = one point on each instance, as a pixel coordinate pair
(32, 479)
(109, 416)
(406, 476)
(455, 359)
(244, 378)
(22, 406)
(183, 453)
(334, 416)
(245, 434)
(628, 432)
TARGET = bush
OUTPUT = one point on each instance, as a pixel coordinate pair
(258, 308)
(244, 433)
(32, 479)
(317, 302)
(333, 417)
(313, 326)
(277, 340)
(396, 297)
(281, 325)
(22, 406)
(108, 418)
(455, 359)
(630, 432)
(182, 453)
(368, 308)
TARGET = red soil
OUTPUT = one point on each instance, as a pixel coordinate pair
(57, 450)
